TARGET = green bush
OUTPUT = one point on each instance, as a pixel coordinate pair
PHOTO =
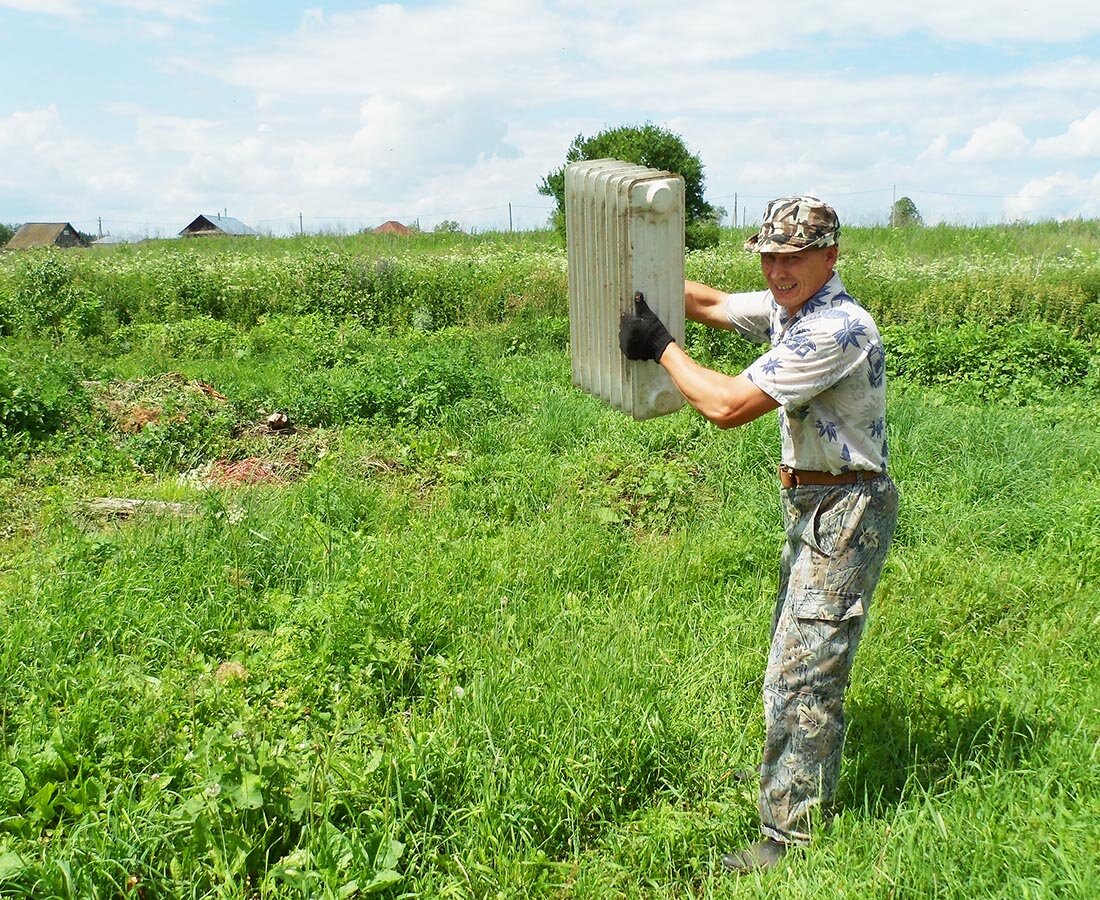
(1007, 361)
(535, 334)
(187, 286)
(313, 338)
(331, 282)
(953, 280)
(423, 282)
(658, 496)
(44, 295)
(701, 235)
(181, 440)
(195, 338)
(162, 423)
(647, 145)
(399, 385)
(39, 391)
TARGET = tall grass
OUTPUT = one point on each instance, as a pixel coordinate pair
(506, 642)
(937, 277)
(449, 644)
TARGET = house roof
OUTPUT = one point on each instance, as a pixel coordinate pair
(218, 225)
(392, 227)
(41, 234)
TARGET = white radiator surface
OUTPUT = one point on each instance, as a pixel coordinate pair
(624, 234)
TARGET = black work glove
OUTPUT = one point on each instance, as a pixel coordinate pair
(641, 334)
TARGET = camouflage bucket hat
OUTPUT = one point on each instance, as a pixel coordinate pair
(795, 223)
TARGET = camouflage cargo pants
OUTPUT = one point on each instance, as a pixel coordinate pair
(837, 538)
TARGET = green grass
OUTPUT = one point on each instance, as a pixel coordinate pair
(507, 642)
(941, 277)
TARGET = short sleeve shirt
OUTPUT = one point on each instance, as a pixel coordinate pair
(826, 368)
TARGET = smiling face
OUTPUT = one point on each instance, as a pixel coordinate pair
(794, 278)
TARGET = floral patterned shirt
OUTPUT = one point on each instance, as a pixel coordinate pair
(827, 370)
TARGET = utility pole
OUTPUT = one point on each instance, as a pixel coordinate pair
(509, 216)
(301, 227)
(735, 209)
(101, 226)
(893, 207)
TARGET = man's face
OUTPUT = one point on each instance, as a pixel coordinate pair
(794, 278)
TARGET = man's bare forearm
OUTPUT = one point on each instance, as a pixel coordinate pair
(725, 400)
(704, 304)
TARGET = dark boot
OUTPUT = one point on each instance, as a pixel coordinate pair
(761, 855)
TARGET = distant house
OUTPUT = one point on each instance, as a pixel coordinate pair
(108, 240)
(392, 227)
(214, 225)
(45, 234)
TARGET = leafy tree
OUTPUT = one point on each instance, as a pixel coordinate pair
(448, 226)
(647, 145)
(6, 231)
(905, 213)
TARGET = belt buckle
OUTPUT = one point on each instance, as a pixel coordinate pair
(788, 477)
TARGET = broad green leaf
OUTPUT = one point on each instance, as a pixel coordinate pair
(388, 859)
(11, 864)
(249, 795)
(12, 785)
(381, 881)
(339, 848)
(373, 763)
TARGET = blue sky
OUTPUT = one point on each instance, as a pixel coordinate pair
(142, 114)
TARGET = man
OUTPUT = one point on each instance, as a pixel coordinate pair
(825, 372)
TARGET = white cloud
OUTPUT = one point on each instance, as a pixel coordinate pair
(972, 22)
(1076, 73)
(193, 10)
(995, 141)
(452, 109)
(64, 8)
(44, 158)
(1081, 140)
(28, 128)
(162, 135)
(157, 30)
(41, 152)
(1059, 196)
(936, 149)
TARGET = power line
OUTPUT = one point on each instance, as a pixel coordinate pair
(295, 222)
(958, 194)
(745, 196)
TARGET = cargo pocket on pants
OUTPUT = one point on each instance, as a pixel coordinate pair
(828, 606)
(821, 640)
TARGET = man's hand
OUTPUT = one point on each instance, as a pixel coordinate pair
(641, 334)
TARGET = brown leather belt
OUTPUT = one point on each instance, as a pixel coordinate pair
(790, 478)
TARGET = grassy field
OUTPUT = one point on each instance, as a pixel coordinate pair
(465, 632)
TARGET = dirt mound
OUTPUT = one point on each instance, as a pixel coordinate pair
(171, 397)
